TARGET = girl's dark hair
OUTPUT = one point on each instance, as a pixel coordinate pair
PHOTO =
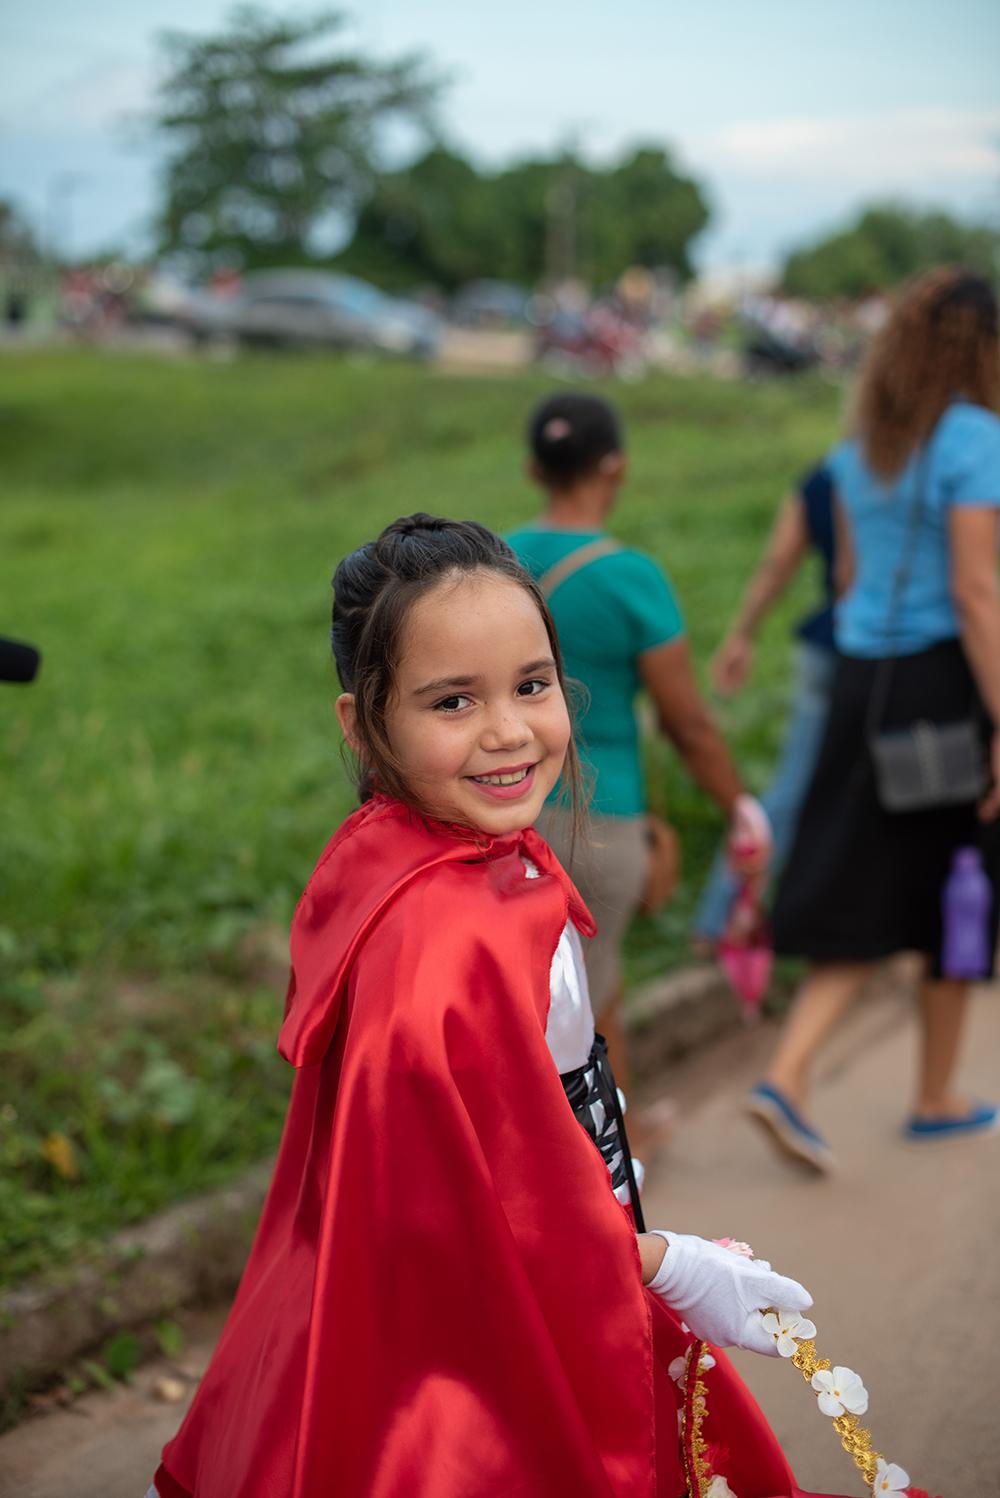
(569, 434)
(374, 590)
(939, 344)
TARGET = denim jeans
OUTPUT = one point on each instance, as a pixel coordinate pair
(786, 792)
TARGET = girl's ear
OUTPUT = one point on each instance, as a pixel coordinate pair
(347, 717)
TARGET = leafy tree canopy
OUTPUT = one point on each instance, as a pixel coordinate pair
(886, 245)
(274, 129)
(442, 221)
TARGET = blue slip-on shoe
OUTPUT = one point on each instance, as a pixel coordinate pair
(785, 1127)
(984, 1118)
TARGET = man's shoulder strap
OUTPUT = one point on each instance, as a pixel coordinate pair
(582, 557)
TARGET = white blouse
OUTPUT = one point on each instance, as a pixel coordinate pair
(569, 1031)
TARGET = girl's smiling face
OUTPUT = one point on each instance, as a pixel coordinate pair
(477, 718)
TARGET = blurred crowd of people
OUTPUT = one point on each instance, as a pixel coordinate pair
(888, 781)
(729, 327)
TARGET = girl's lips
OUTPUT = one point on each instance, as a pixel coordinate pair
(506, 792)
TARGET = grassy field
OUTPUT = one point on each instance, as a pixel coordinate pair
(167, 535)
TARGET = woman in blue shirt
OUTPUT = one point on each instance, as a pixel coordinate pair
(918, 497)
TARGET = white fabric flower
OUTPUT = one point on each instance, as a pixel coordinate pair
(784, 1326)
(890, 1480)
(719, 1488)
(678, 1368)
(840, 1390)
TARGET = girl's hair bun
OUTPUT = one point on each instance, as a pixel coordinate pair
(408, 525)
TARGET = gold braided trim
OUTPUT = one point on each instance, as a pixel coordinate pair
(855, 1439)
(695, 1409)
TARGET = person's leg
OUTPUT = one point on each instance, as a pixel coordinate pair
(787, 788)
(714, 904)
(648, 1128)
(777, 1102)
(941, 1113)
(943, 1007)
(609, 870)
(829, 990)
(810, 708)
(609, 1024)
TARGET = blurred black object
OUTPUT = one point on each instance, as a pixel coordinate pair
(768, 353)
(18, 662)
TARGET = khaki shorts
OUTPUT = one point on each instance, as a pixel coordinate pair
(609, 868)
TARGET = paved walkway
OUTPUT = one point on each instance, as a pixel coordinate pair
(899, 1251)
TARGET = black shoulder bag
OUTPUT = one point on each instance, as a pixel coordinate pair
(922, 764)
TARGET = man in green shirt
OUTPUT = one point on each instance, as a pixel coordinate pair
(621, 630)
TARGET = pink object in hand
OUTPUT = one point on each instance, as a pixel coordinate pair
(749, 842)
(735, 1246)
(745, 952)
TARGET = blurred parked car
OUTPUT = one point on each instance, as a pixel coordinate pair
(312, 308)
(490, 304)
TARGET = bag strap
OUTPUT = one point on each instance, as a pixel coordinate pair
(582, 557)
(883, 676)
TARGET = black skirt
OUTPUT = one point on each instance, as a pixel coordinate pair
(862, 883)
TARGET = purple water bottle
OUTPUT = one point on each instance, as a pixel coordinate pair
(966, 901)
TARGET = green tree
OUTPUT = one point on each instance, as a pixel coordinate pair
(886, 245)
(430, 223)
(17, 243)
(642, 212)
(442, 221)
(274, 130)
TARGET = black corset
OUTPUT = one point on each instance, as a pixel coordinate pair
(593, 1096)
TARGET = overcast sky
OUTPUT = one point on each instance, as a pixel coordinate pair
(791, 114)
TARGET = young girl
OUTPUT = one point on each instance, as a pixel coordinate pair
(445, 1299)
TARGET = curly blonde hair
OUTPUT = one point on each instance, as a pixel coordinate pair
(939, 344)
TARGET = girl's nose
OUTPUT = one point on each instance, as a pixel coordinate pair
(505, 729)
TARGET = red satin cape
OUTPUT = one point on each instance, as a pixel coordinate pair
(443, 1299)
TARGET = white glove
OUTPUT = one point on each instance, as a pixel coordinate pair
(720, 1294)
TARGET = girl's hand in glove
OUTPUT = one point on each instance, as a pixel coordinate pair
(721, 1294)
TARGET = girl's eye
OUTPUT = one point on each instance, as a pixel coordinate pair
(532, 688)
(452, 704)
